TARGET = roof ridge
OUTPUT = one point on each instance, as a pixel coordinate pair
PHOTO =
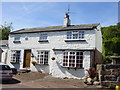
(44, 27)
(57, 26)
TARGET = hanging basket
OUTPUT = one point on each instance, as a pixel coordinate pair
(34, 62)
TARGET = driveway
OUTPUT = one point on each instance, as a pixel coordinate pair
(43, 80)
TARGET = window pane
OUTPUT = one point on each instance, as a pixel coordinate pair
(81, 53)
(72, 59)
(81, 57)
(69, 35)
(75, 36)
(43, 36)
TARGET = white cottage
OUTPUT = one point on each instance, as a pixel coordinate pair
(63, 51)
(3, 51)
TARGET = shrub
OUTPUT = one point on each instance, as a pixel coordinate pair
(92, 72)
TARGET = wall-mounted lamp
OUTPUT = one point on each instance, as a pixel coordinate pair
(32, 55)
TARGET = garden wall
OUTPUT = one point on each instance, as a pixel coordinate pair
(109, 74)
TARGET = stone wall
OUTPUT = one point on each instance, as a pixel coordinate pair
(109, 74)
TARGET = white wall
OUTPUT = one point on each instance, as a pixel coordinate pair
(58, 71)
(55, 40)
(99, 39)
(98, 44)
(4, 54)
(17, 66)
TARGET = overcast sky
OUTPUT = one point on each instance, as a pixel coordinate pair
(39, 14)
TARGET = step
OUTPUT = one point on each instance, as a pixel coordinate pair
(25, 70)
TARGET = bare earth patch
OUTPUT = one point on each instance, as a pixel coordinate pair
(26, 77)
(43, 80)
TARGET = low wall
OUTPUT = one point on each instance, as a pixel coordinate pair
(109, 74)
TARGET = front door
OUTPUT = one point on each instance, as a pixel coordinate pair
(27, 58)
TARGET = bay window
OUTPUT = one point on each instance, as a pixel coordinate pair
(73, 59)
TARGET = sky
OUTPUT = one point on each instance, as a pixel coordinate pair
(43, 14)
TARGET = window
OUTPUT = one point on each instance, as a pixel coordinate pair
(15, 56)
(43, 36)
(75, 35)
(16, 39)
(73, 59)
(42, 57)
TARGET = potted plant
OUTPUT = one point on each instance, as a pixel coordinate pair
(34, 62)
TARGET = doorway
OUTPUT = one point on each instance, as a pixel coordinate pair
(27, 58)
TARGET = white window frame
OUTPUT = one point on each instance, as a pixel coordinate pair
(75, 35)
(77, 61)
(43, 36)
(15, 56)
(42, 56)
(17, 38)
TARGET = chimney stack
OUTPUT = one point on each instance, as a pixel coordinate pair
(66, 20)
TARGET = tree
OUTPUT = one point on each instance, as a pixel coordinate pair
(5, 30)
(118, 25)
(111, 41)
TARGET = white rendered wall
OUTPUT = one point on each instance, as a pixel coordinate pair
(99, 39)
(58, 71)
(4, 54)
(56, 40)
(98, 44)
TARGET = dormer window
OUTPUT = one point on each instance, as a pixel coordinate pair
(43, 37)
(75, 35)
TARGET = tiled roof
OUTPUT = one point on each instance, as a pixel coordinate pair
(56, 28)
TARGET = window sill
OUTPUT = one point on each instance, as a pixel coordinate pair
(72, 67)
(16, 41)
(43, 41)
(42, 64)
(14, 62)
(74, 40)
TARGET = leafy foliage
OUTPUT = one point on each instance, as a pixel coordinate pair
(5, 30)
(111, 41)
